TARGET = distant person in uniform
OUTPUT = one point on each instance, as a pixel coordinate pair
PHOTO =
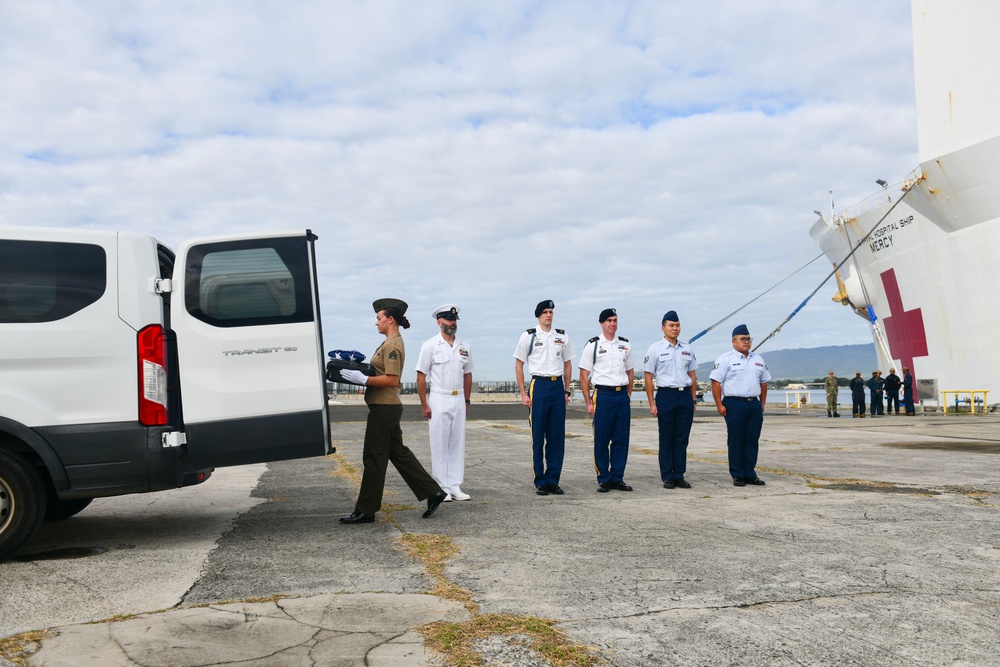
(548, 353)
(739, 387)
(383, 435)
(444, 384)
(875, 384)
(607, 361)
(671, 366)
(881, 405)
(910, 408)
(832, 389)
(892, 386)
(858, 395)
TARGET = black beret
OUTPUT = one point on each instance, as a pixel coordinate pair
(606, 313)
(543, 305)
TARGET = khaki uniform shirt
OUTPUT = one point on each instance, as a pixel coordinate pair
(388, 360)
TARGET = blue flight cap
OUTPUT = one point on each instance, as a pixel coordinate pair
(741, 330)
(670, 316)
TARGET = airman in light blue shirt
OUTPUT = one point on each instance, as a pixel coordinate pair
(739, 387)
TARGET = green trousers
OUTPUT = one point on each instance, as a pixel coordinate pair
(384, 443)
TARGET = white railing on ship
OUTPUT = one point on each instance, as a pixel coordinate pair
(877, 200)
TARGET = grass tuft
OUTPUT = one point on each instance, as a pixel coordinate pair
(432, 551)
(18, 649)
(344, 468)
(456, 642)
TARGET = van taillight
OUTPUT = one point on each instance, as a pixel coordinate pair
(152, 352)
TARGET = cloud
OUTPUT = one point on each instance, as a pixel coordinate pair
(642, 155)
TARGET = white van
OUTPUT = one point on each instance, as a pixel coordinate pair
(125, 368)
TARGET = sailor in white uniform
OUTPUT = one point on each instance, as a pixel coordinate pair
(444, 384)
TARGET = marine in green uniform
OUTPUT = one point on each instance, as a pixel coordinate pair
(383, 435)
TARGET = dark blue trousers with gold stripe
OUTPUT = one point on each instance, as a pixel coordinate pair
(612, 415)
(547, 419)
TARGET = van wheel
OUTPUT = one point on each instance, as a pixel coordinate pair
(22, 502)
(57, 510)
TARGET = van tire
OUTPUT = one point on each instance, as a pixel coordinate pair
(22, 502)
(57, 510)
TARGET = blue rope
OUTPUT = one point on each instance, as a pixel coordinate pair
(871, 311)
(754, 299)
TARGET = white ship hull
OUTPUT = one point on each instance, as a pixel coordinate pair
(927, 267)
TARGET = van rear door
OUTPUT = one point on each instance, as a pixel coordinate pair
(245, 311)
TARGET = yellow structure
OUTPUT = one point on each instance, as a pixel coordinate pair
(801, 397)
(971, 400)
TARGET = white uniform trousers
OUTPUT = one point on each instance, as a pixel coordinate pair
(447, 435)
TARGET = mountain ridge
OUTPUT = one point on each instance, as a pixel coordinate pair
(815, 362)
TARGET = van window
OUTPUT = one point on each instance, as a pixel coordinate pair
(45, 281)
(249, 283)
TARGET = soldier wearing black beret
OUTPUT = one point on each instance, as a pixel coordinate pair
(607, 361)
(548, 353)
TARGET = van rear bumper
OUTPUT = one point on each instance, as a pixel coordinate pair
(117, 458)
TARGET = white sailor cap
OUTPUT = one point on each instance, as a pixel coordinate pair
(448, 311)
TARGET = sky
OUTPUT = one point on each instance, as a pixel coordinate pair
(645, 156)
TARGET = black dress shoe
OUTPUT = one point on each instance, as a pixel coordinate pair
(682, 483)
(542, 490)
(554, 488)
(621, 486)
(756, 481)
(737, 481)
(434, 502)
(668, 484)
(357, 517)
(603, 487)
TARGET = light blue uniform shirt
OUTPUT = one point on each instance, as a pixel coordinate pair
(740, 376)
(670, 364)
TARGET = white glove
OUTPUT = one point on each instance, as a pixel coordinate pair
(357, 377)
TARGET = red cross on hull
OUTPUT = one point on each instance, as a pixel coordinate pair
(904, 329)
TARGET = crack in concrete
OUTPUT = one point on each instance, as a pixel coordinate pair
(789, 601)
(385, 642)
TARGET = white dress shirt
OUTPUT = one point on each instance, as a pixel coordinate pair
(610, 363)
(548, 354)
